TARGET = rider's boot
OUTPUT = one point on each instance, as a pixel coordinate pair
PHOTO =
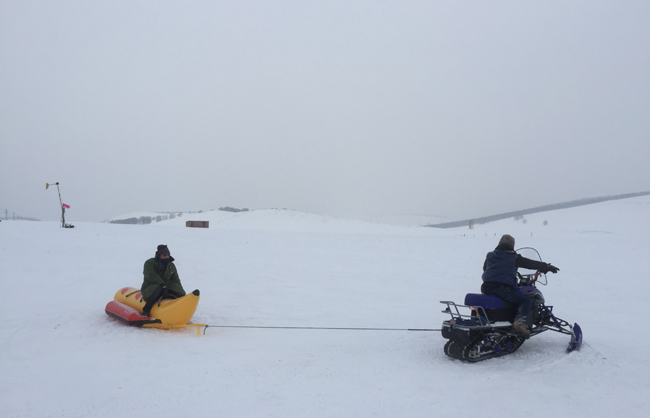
(521, 328)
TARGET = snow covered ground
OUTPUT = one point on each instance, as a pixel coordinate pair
(62, 356)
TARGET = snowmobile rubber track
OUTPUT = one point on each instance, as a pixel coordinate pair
(448, 345)
(468, 352)
(454, 349)
(507, 345)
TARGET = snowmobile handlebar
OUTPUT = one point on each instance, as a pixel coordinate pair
(529, 279)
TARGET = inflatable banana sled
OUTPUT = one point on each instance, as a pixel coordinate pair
(128, 303)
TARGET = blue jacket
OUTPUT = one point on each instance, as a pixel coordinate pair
(500, 267)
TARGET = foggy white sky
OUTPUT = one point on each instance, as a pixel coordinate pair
(346, 108)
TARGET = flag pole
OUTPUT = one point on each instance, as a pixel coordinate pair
(62, 208)
(63, 225)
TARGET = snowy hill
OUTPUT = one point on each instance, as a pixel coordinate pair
(64, 357)
(220, 215)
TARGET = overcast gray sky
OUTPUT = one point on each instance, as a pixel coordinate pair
(347, 108)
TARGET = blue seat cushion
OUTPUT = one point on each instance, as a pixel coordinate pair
(486, 301)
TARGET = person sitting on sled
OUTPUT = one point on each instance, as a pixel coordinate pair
(500, 279)
(161, 279)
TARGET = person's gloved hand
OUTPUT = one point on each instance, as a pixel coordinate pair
(552, 268)
(165, 293)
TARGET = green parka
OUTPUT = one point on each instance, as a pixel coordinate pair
(154, 277)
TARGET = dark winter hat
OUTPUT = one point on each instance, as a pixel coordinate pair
(162, 249)
(507, 242)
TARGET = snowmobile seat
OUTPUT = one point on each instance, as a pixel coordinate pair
(495, 308)
(486, 301)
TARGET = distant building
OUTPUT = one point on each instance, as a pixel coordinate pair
(197, 224)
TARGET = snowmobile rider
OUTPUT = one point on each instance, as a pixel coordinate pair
(500, 279)
(161, 279)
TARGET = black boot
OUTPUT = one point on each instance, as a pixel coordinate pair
(152, 299)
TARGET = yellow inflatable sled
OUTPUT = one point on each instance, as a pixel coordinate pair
(127, 306)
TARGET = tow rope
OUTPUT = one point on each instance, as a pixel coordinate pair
(319, 328)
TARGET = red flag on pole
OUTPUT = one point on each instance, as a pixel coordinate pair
(66, 206)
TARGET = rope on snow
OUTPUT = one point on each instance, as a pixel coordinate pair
(319, 328)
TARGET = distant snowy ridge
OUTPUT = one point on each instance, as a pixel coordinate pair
(538, 209)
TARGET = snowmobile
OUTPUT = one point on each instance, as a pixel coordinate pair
(482, 328)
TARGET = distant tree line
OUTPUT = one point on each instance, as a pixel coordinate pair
(142, 220)
(15, 217)
(229, 209)
(145, 220)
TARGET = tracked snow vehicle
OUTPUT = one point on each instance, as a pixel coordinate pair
(482, 328)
